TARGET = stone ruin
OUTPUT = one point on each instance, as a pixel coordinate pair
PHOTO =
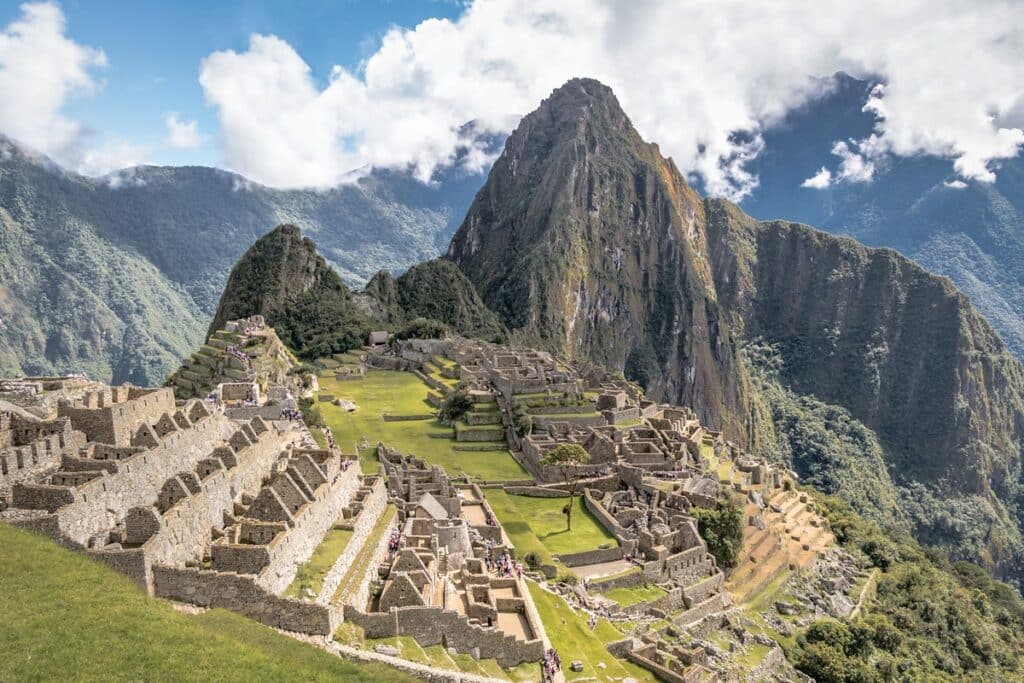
(440, 579)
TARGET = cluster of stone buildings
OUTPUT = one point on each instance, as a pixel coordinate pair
(449, 577)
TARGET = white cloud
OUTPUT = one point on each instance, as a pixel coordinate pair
(691, 74)
(819, 181)
(40, 68)
(955, 184)
(182, 134)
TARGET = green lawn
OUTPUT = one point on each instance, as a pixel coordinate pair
(637, 594)
(573, 639)
(537, 525)
(67, 617)
(402, 393)
(312, 572)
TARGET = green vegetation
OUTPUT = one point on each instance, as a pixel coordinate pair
(567, 458)
(536, 525)
(823, 443)
(637, 594)
(284, 279)
(402, 393)
(573, 639)
(928, 620)
(455, 405)
(434, 296)
(67, 616)
(310, 575)
(422, 328)
(721, 527)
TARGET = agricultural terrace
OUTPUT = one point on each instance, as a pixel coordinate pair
(402, 394)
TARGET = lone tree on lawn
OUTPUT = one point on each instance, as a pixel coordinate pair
(567, 457)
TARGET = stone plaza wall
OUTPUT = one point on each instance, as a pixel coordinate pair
(241, 594)
(597, 556)
(436, 626)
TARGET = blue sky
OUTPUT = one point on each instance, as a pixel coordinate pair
(300, 94)
(154, 49)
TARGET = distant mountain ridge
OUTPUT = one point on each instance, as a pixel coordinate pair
(587, 242)
(971, 232)
(118, 276)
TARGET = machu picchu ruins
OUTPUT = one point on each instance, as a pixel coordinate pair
(214, 492)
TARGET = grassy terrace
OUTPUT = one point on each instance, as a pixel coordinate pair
(66, 617)
(360, 563)
(312, 572)
(538, 525)
(402, 393)
(572, 637)
(635, 595)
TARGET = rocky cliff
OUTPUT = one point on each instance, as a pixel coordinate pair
(586, 241)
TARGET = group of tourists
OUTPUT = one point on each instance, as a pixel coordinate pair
(505, 566)
(552, 663)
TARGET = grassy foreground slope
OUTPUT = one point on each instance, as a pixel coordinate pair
(67, 617)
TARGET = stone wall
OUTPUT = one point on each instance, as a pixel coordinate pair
(184, 530)
(373, 507)
(86, 511)
(111, 416)
(241, 594)
(436, 626)
(596, 556)
(360, 597)
(297, 544)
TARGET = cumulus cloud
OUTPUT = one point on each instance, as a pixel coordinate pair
(955, 184)
(40, 68)
(182, 134)
(702, 79)
(818, 181)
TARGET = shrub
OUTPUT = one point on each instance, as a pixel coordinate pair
(422, 328)
(532, 560)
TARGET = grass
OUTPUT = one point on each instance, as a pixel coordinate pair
(67, 617)
(402, 393)
(543, 519)
(573, 639)
(360, 563)
(635, 595)
(312, 572)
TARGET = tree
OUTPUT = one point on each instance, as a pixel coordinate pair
(567, 457)
(721, 527)
(455, 405)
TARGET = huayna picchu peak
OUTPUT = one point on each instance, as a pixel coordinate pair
(516, 343)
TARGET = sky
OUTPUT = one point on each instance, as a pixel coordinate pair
(310, 94)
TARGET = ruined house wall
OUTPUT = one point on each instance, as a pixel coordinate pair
(185, 528)
(361, 595)
(112, 416)
(101, 503)
(24, 463)
(295, 546)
